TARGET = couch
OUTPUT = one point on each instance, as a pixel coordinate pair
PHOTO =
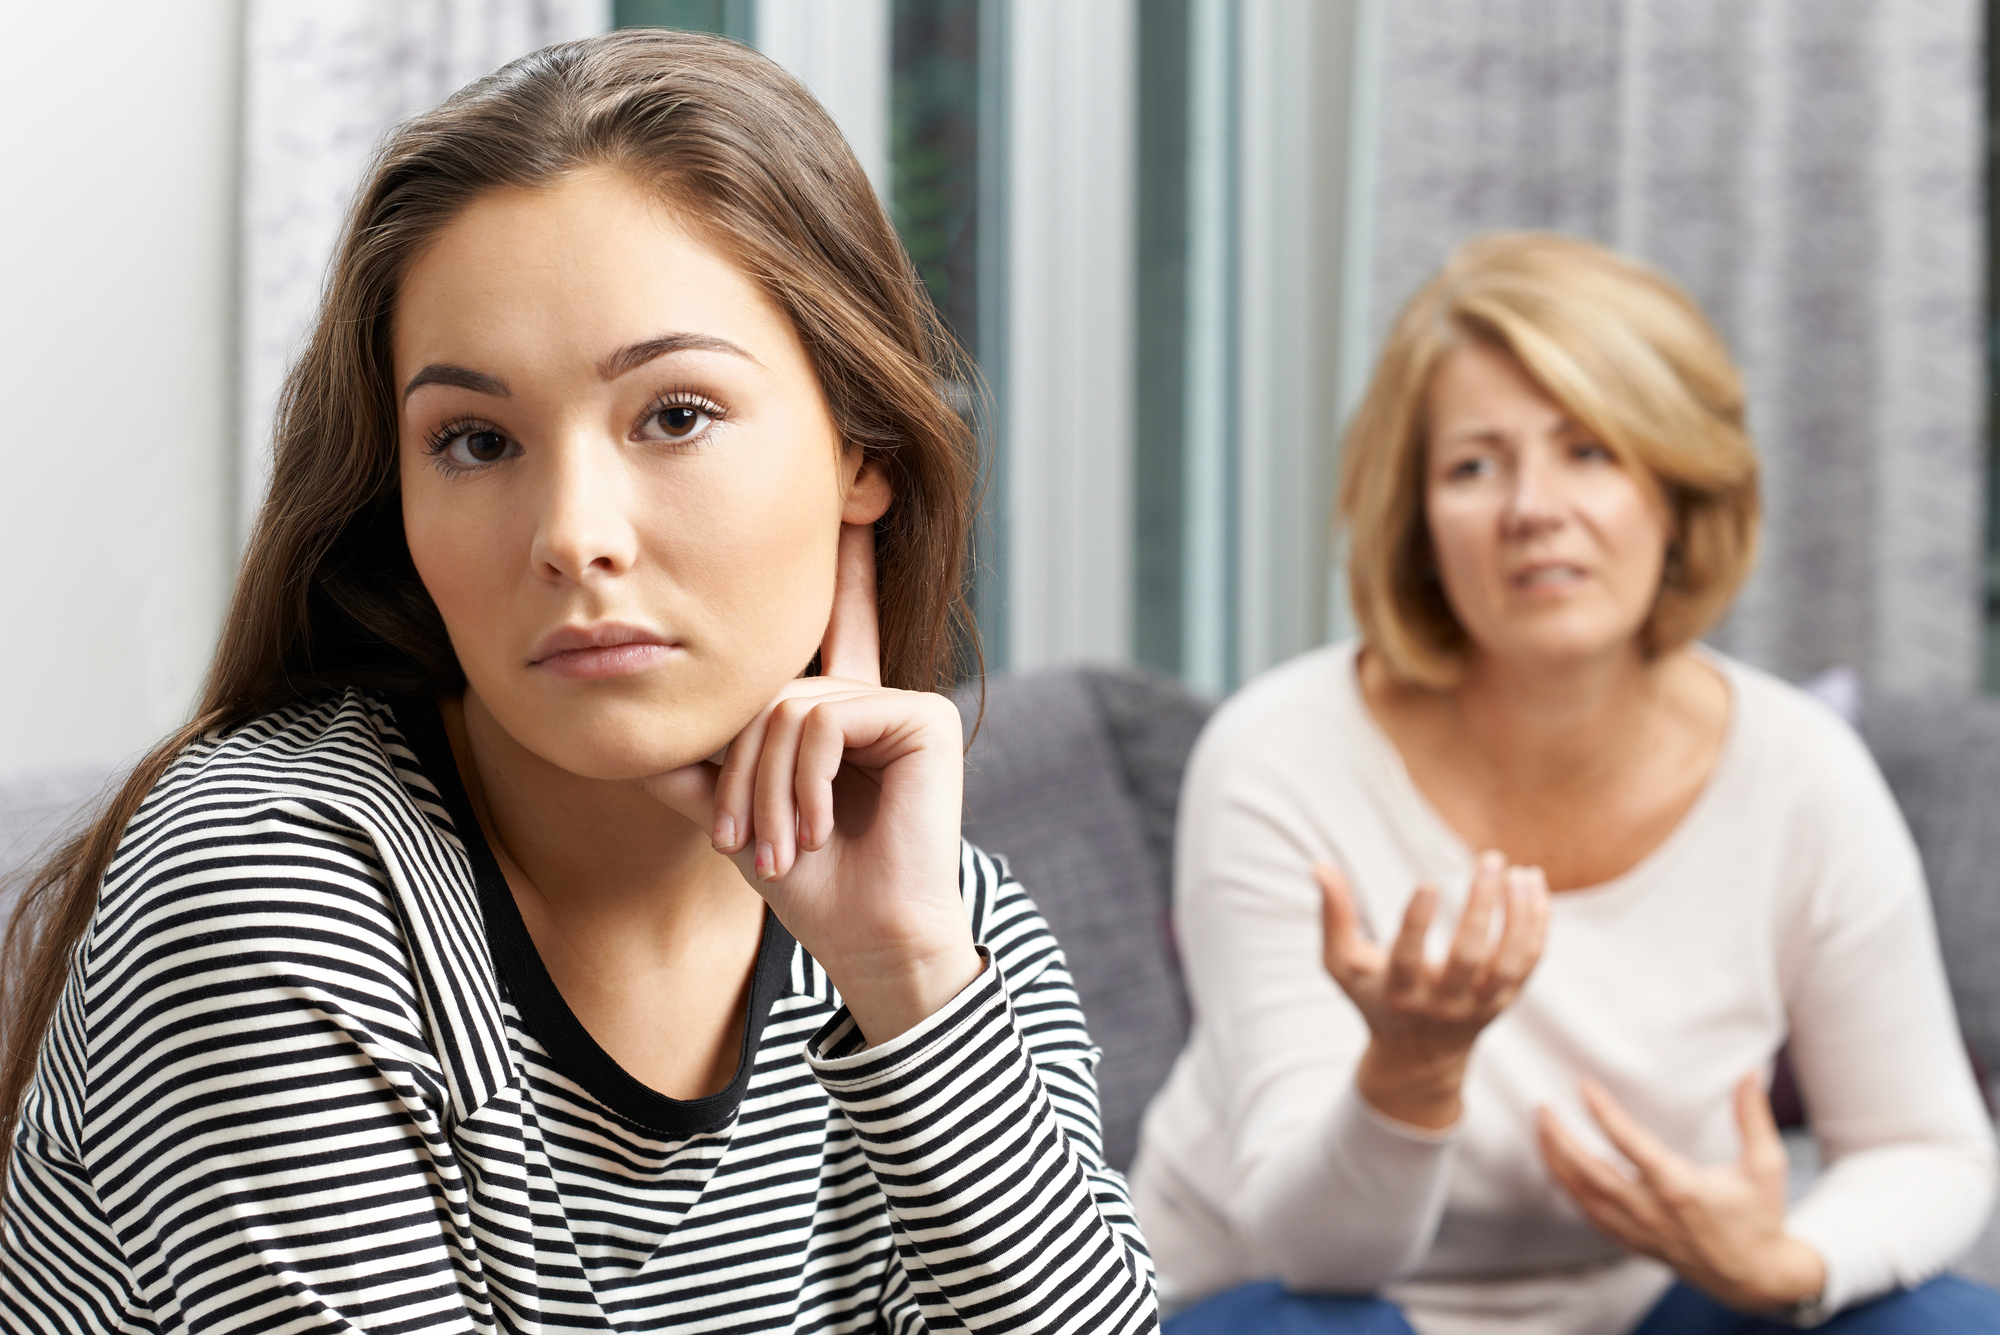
(1073, 777)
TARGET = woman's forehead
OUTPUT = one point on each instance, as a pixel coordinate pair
(1476, 379)
(583, 269)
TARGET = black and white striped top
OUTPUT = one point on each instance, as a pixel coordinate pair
(310, 1075)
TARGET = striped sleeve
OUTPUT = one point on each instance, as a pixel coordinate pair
(254, 1122)
(982, 1127)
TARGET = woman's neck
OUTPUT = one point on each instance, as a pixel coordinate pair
(1552, 726)
(593, 855)
(649, 934)
(1581, 768)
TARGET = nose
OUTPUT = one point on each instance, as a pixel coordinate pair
(583, 531)
(1535, 501)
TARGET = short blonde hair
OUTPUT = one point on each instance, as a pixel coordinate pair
(1628, 355)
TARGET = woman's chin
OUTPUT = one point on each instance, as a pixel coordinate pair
(1565, 649)
(622, 741)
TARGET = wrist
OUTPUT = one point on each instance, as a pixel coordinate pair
(1418, 1088)
(889, 1000)
(1789, 1279)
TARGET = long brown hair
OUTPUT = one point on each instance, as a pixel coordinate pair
(327, 597)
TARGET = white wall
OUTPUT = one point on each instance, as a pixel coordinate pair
(116, 351)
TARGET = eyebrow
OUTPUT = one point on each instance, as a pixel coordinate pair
(627, 358)
(438, 373)
(638, 354)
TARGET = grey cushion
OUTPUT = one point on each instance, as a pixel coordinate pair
(1073, 779)
(1942, 759)
(1153, 722)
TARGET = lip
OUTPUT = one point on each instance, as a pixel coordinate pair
(607, 649)
(1527, 578)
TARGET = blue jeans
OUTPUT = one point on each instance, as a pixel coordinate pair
(1944, 1306)
(1266, 1309)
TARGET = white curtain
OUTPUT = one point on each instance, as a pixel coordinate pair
(1811, 171)
(323, 80)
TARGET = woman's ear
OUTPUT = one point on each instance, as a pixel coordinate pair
(869, 492)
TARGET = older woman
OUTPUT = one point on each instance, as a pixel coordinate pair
(1530, 1097)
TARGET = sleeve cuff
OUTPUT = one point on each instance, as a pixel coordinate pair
(840, 1057)
(1381, 1159)
(1837, 1291)
(1379, 1124)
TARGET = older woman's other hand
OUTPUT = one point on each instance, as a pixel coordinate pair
(1423, 1017)
(1721, 1228)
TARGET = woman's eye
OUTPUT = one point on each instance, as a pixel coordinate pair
(485, 446)
(480, 445)
(676, 422)
(1591, 450)
(1466, 469)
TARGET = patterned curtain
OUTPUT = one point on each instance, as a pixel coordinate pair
(323, 79)
(1811, 171)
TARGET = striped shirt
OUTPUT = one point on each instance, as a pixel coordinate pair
(309, 1074)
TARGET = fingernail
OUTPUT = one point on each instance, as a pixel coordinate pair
(767, 862)
(1492, 859)
(725, 831)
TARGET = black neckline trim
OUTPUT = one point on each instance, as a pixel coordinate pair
(571, 1049)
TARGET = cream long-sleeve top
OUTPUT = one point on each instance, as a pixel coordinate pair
(1788, 901)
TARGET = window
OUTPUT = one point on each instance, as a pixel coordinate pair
(730, 18)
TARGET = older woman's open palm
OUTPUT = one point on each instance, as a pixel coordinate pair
(1423, 1015)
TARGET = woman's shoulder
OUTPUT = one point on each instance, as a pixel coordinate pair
(1314, 692)
(1004, 916)
(1799, 773)
(287, 864)
(304, 801)
(335, 750)
(1790, 734)
(1300, 725)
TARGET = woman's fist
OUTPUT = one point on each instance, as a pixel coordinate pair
(840, 803)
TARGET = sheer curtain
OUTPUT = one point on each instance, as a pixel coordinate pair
(323, 79)
(1811, 171)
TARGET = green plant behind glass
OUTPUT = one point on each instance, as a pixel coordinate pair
(934, 152)
(731, 18)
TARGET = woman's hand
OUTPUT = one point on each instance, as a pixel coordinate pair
(1423, 1017)
(1722, 1228)
(840, 804)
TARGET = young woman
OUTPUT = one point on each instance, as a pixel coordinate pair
(1542, 1120)
(555, 917)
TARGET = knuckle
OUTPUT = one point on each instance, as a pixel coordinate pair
(1675, 1195)
(1407, 1003)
